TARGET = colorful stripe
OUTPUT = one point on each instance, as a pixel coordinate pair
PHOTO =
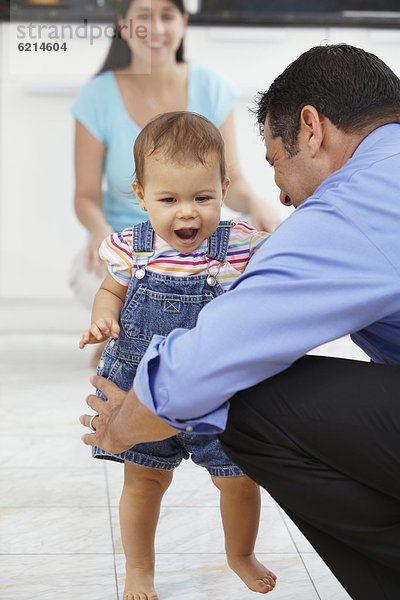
(244, 241)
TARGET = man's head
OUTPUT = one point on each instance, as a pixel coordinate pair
(338, 88)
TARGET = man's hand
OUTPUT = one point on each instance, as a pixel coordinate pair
(99, 332)
(122, 421)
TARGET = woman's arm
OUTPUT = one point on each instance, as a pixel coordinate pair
(241, 196)
(89, 161)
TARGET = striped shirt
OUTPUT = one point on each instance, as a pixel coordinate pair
(122, 263)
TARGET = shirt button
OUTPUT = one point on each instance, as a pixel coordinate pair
(101, 364)
(112, 343)
(189, 428)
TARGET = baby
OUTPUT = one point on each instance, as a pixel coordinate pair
(161, 273)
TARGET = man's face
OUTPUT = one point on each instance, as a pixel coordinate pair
(295, 176)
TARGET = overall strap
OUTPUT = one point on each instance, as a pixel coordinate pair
(218, 242)
(142, 237)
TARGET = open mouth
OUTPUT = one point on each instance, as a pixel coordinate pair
(187, 235)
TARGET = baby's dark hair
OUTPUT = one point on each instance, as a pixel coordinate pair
(180, 137)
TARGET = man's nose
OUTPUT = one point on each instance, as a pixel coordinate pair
(285, 199)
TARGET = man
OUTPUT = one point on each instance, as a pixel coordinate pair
(322, 435)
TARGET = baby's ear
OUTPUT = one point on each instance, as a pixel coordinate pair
(139, 193)
(225, 184)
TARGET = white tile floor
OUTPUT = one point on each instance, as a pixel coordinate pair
(59, 534)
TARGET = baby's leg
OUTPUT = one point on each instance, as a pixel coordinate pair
(138, 513)
(240, 511)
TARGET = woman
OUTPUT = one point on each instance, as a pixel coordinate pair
(144, 75)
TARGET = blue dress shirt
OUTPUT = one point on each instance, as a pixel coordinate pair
(331, 268)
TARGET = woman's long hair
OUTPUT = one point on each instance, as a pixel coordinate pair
(119, 54)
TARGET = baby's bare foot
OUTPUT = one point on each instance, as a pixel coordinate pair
(257, 577)
(139, 584)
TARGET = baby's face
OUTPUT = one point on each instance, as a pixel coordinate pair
(183, 200)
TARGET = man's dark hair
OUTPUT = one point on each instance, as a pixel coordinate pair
(353, 88)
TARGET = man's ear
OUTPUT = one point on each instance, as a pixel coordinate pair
(139, 193)
(312, 128)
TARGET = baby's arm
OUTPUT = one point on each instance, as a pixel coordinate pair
(107, 307)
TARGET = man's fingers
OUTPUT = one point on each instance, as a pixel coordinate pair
(95, 402)
(109, 389)
(89, 439)
(87, 419)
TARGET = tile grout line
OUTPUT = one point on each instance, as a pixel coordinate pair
(111, 528)
(298, 552)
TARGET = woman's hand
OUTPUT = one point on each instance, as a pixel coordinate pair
(264, 217)
(93, 261)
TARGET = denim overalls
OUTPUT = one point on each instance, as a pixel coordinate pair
(157, 304)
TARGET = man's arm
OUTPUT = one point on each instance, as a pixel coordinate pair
(123, 421)
(318, 277)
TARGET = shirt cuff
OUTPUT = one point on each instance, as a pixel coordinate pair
(154, 395)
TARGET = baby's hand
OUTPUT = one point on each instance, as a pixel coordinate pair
(100, 331)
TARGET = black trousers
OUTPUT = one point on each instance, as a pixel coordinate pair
(323, 437)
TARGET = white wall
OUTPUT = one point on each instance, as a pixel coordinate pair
(38, 230)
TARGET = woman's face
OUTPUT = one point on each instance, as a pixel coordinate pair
(154, 30)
